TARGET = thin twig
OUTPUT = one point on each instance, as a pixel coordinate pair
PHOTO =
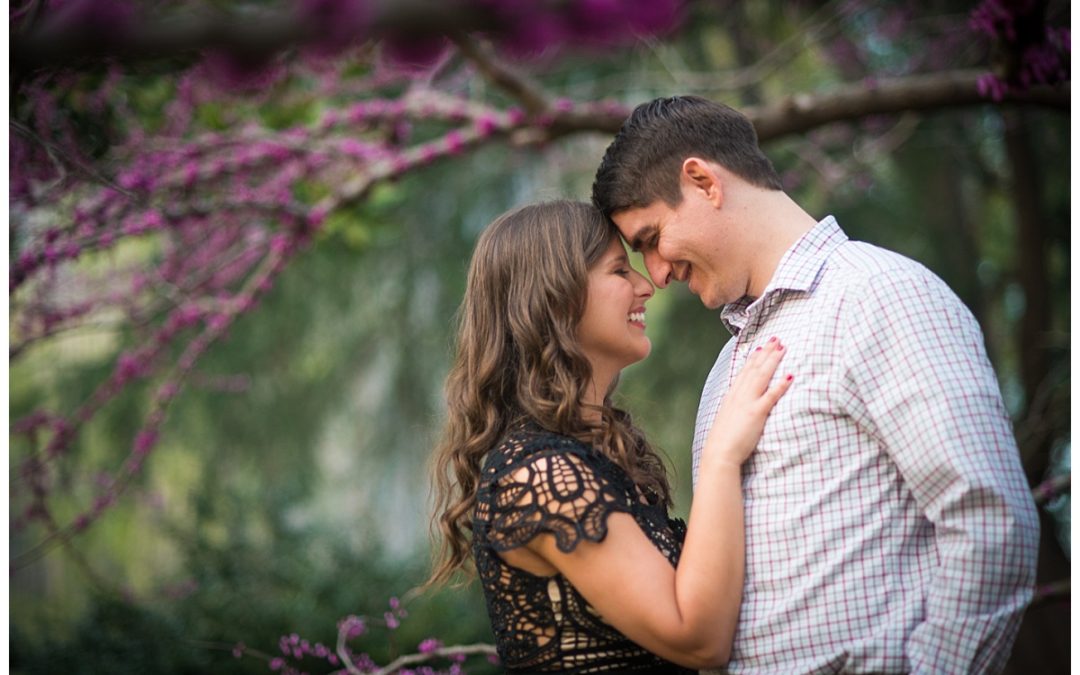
(56, 153)
(525, 90)
(1055, 589)
(1051, 487)
(442, 652)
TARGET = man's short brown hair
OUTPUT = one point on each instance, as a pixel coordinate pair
(643, 163)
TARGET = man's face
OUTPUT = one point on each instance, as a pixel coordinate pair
(686, 243)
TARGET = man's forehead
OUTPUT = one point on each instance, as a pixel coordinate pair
(632, 220)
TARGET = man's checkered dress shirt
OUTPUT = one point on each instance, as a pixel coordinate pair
(889, 526)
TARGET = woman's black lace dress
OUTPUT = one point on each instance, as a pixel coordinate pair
(537, 482)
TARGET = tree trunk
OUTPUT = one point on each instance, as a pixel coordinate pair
(1043, 645)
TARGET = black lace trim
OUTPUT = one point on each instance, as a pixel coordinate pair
(540, 482)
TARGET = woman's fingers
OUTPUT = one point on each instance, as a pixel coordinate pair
(773, 394)
(741, 417)
(760, 367)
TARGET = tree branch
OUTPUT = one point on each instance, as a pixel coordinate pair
(523, 89)
(73, 45)
(442, 652)
(1051, 488)
(60, 158)
(800, 113)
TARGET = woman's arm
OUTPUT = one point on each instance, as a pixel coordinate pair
(686, 615)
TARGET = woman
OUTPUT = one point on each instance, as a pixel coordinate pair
(567, 503)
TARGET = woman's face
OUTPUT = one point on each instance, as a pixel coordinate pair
(612, 330)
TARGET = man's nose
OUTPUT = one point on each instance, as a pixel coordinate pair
(643, 288)
(659, 269)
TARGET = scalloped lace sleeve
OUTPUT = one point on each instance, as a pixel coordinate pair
(558, 488)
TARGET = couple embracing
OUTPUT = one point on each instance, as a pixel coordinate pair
(859, 505)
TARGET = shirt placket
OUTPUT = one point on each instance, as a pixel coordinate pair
(747, 338)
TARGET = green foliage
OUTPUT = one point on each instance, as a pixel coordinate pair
(113, 638)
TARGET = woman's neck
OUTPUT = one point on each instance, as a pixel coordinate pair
(595, 394)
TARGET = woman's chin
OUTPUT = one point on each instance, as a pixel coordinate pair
(645, 351)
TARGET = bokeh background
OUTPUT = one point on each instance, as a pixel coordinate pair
(238, 237)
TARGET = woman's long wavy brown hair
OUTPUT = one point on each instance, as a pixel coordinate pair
(518, 358)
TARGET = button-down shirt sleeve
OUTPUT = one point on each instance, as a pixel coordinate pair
(918, 378)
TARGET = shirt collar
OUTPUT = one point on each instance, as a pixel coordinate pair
(798, 270)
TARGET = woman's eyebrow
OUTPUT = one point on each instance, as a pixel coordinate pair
(618, 258)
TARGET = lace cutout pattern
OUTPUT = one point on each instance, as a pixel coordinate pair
(538, 482)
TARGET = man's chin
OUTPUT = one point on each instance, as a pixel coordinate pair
(709, 301)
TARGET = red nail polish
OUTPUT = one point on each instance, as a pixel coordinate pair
(779, 347)
(758, 349)
(772, 339)
(789, 378)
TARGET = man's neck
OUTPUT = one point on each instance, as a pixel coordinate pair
(778, 222)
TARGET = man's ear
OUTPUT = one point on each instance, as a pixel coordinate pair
(699, 175)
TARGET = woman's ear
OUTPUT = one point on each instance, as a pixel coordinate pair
(700, 177)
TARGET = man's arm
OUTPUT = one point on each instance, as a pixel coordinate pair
(918, 363)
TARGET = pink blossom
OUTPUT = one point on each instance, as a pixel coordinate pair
(454, 142)
(429, 646)
(391, 620)
(358, 113)
(144, 442)
(102, 502)
(218, 322)
(515, 115)
(353, 626)
(414, 55)
(486, 124)
(128, 366)
(331, 119)
(337, 22)
(316, 217)
(169, 390)
(989, 85)
(353, 148)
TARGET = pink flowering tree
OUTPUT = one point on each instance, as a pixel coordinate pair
(159, 188)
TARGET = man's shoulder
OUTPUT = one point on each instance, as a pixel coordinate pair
(876, 286)
(858, 269)
(860, 260)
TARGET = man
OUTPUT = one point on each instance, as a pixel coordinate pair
(889, 526)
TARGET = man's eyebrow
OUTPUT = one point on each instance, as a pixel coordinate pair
(640, 236)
